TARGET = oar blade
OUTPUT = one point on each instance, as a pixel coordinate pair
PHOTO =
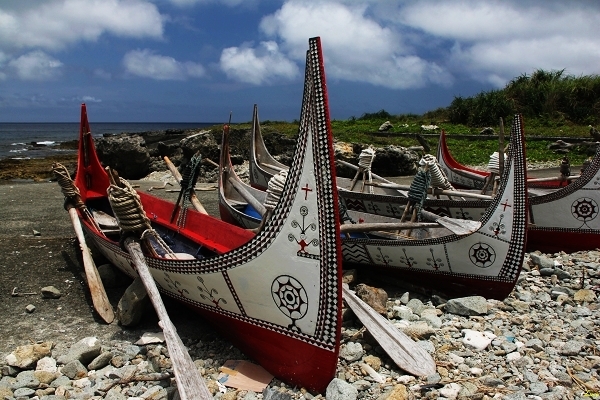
(459, 227)
(407, 354)
(99, 297)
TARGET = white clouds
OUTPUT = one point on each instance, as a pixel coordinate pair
(257, 66)
(497, 41)
(357, 47)
(229, 3)
(56, 24)
(146, 64)
(90, 99)
(35, 66)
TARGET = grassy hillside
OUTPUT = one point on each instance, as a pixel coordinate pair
(552, 104)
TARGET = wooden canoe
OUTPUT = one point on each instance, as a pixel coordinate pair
(563, 214)
(486, 262)
(277, 294)
(462, 176)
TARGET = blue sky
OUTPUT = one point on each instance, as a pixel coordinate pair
(197, 60)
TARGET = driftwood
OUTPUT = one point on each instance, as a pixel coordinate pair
(407, 354)
(189, 382)
(193, 198)
(99, 297)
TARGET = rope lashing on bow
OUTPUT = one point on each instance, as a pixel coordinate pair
(71, 192)
(494, 163)
(417, 193)
(130, 215)
(365, 161)
(67, 186)
(275, 189)
(565, 167)
(438, 177)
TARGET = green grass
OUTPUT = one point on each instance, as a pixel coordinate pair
(466, 151)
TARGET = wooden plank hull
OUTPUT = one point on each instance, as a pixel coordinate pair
(277, 294)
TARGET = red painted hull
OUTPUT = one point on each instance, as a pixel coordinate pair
(291, 360)
(555, 240)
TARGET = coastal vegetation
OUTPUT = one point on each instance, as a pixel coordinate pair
(553, 105)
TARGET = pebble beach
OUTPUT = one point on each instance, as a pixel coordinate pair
(541, 342)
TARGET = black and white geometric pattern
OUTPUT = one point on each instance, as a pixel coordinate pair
(314, 129)
(509, 232)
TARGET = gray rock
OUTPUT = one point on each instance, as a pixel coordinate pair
(25, 379)
(427, 345)
(101, 361)
(351, 351)
(571, 348)
(535, 344)
(361, 385)
(541, 261)
(133, 304)
(274, 394)
(432, 320)
(538, 387)
(405, 298)
(515, 396)
(467, 306)
(127, 154)
(491, 381)
(50, 292)
(557, 393)
(62, 380)
(74, 370)
(416, 306)
(403, 312)
(30, 308)
(562, 274)
(23, 392)
(434, 378)
(84, 351)
(340, 390)
(115, 394)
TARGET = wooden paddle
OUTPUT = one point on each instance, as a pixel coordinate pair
(99, 297)
(402, 349)
(189, 382)
(406, 353)
(459, 193)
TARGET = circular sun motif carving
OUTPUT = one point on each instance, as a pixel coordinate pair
(290, 297)
(482, 255)
(584, 209)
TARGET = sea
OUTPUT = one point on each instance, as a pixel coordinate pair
(39, 140)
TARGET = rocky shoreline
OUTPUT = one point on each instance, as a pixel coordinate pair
(541, 342)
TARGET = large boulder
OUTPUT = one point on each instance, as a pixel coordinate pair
(125, 153)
